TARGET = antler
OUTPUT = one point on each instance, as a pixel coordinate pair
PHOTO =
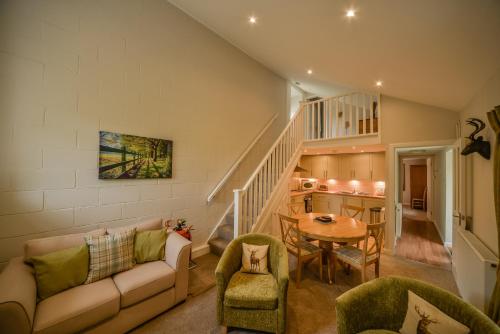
(478, 124)
(422, 315)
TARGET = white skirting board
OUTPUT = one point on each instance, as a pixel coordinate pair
(199, 251)
(474, 268)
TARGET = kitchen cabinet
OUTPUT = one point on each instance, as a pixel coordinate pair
(321, 203)
(330, 203)
(378, 166)
(334, 203)
(318, 166)
(332, 167)
(355, 167)
(356, 201)
(324, 166)
(306, 163)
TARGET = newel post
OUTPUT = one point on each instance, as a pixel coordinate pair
(238, 209)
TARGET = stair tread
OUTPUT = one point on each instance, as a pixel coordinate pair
(219, 242)
(227, 227)
(218, 245)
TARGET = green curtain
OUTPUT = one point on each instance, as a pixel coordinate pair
(494, 119)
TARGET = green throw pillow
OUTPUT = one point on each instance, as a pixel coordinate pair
(150, 245)
(60, 270)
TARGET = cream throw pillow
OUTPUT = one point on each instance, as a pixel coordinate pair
(423, 317)
(254, 259)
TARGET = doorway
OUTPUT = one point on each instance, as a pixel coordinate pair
(418, 187)
(423, 207)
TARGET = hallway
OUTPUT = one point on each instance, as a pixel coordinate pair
(420, 240)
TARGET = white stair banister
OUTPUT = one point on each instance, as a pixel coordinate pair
(343, 116)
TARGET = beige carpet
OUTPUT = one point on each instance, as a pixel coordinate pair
(311, 309)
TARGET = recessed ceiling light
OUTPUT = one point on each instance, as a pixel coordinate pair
(379, 83)
(309, 71)
(350, 13)
(252, 19)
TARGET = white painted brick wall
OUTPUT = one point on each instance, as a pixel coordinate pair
(70, 69)
(12, 202)
(71, 198)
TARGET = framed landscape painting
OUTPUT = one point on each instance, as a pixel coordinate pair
(132, 157)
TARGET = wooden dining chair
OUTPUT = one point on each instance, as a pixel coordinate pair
(352, 211)
(367, 255)
(295, 208)
(304, 251)
(420, 203)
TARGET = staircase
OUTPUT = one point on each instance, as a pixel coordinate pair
(224, 235)
(348, 116)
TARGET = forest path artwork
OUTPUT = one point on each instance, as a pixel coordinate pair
(132, 157)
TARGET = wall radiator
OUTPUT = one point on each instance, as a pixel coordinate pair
(474, 268)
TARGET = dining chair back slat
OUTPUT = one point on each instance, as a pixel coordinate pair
(352, 211)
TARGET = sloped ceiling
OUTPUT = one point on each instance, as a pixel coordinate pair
(437, 52)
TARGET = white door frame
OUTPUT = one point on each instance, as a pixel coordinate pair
(392, 186)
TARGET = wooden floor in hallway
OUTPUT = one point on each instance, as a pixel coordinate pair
(420, 240)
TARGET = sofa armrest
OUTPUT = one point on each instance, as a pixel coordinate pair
(177, 253)
(17, 297)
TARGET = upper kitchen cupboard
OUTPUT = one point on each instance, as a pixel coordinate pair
(356, 166)
(378, 166)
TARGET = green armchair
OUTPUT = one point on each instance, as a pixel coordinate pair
(380, 305)
(253, 301)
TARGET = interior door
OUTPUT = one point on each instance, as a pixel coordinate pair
(418, 181)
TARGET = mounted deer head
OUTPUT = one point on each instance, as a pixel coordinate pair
(477, 144)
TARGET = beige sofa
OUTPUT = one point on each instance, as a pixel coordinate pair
(112, 305)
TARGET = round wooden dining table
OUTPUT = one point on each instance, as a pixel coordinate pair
(342, 230)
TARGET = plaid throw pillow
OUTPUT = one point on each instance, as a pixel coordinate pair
(110, 254)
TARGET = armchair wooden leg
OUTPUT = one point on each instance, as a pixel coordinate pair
(363, 274)
(298, 274)
(321, 267)
(377, 268)
(334, 259)
(328, 268)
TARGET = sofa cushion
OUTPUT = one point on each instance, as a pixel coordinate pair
(147, 225)
(60, 270)
(143, 281)
(78, 308)
(252, 291)
(110, 254)
(36, 247)
(150, 245)
(378, 331)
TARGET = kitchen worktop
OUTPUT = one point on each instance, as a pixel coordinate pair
(305, 192)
